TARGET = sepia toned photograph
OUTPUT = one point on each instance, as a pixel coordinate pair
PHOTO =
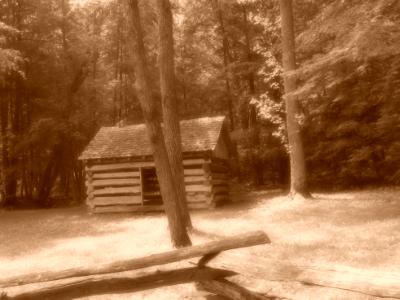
(200, 149)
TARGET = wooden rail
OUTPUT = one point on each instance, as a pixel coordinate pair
(139, 281)
(239, 241)
(372, 283)
(104, 279)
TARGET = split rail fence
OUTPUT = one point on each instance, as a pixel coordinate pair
(137, 275)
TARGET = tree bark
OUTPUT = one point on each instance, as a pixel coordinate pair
(298, 175)
(169, 102)
(179, 235)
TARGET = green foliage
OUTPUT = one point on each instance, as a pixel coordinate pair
(66, 69)
(350, 74)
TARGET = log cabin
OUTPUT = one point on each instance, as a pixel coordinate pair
(121, 175)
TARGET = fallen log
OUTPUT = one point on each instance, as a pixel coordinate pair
(239, 241)
(230, 290)
(139, 282)
(368, 282)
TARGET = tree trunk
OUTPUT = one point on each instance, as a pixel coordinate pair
(227, 61)
(298, 176)
(4, 148)
(168, 189)
(254, 128)
(50, 175)
(169, 102)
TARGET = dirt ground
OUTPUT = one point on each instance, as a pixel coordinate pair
(357, 229)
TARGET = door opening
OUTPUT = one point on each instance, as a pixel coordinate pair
(150, 187)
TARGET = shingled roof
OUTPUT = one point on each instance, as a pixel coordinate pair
(114, 142)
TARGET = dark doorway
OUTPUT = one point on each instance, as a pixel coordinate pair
(150, 187)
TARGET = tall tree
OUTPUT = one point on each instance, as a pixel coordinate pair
(298, 176)
(168, 188)
(172, 131)
(226, 58)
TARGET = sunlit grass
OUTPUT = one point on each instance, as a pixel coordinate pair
(354, 229)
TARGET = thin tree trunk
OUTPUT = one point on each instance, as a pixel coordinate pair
(250, 76)
(227, 61)
(116, 105)
(253, 124)
(226, 56)
(4, 143)
(298, 176)
(50, 175)
(172, 131)
(169, 193)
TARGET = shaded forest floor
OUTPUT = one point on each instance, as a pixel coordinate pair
(350, 229)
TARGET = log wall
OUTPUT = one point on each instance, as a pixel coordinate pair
(114, 185)
(133, 186)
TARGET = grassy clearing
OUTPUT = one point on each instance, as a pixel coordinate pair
(353, 229)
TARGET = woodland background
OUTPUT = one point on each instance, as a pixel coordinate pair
(66, 70)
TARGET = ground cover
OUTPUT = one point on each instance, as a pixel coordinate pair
(357, 229)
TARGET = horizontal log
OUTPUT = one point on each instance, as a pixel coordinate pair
(193, 172)
(136, 282)
(230, 290)
(127, 208)
(115, 182)
(116, 175)
(198, 198)
(137, 164)
(152, 197)
(374, 283)
(202, 180)
(198, 188)
(194, 161)
(113, 167)
(234, 242)
(190, 179)
(206, 194)
(117, 191)
(117, 200)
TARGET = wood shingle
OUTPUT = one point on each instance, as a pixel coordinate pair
(198, 135)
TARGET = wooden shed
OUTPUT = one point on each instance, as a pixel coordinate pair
(121, 175)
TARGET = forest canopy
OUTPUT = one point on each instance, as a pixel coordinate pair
(66, 70)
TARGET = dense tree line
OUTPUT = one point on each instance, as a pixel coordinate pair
(66, 68)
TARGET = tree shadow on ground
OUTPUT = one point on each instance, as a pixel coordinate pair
(350, 212)
(240, 202)
(29, 230)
